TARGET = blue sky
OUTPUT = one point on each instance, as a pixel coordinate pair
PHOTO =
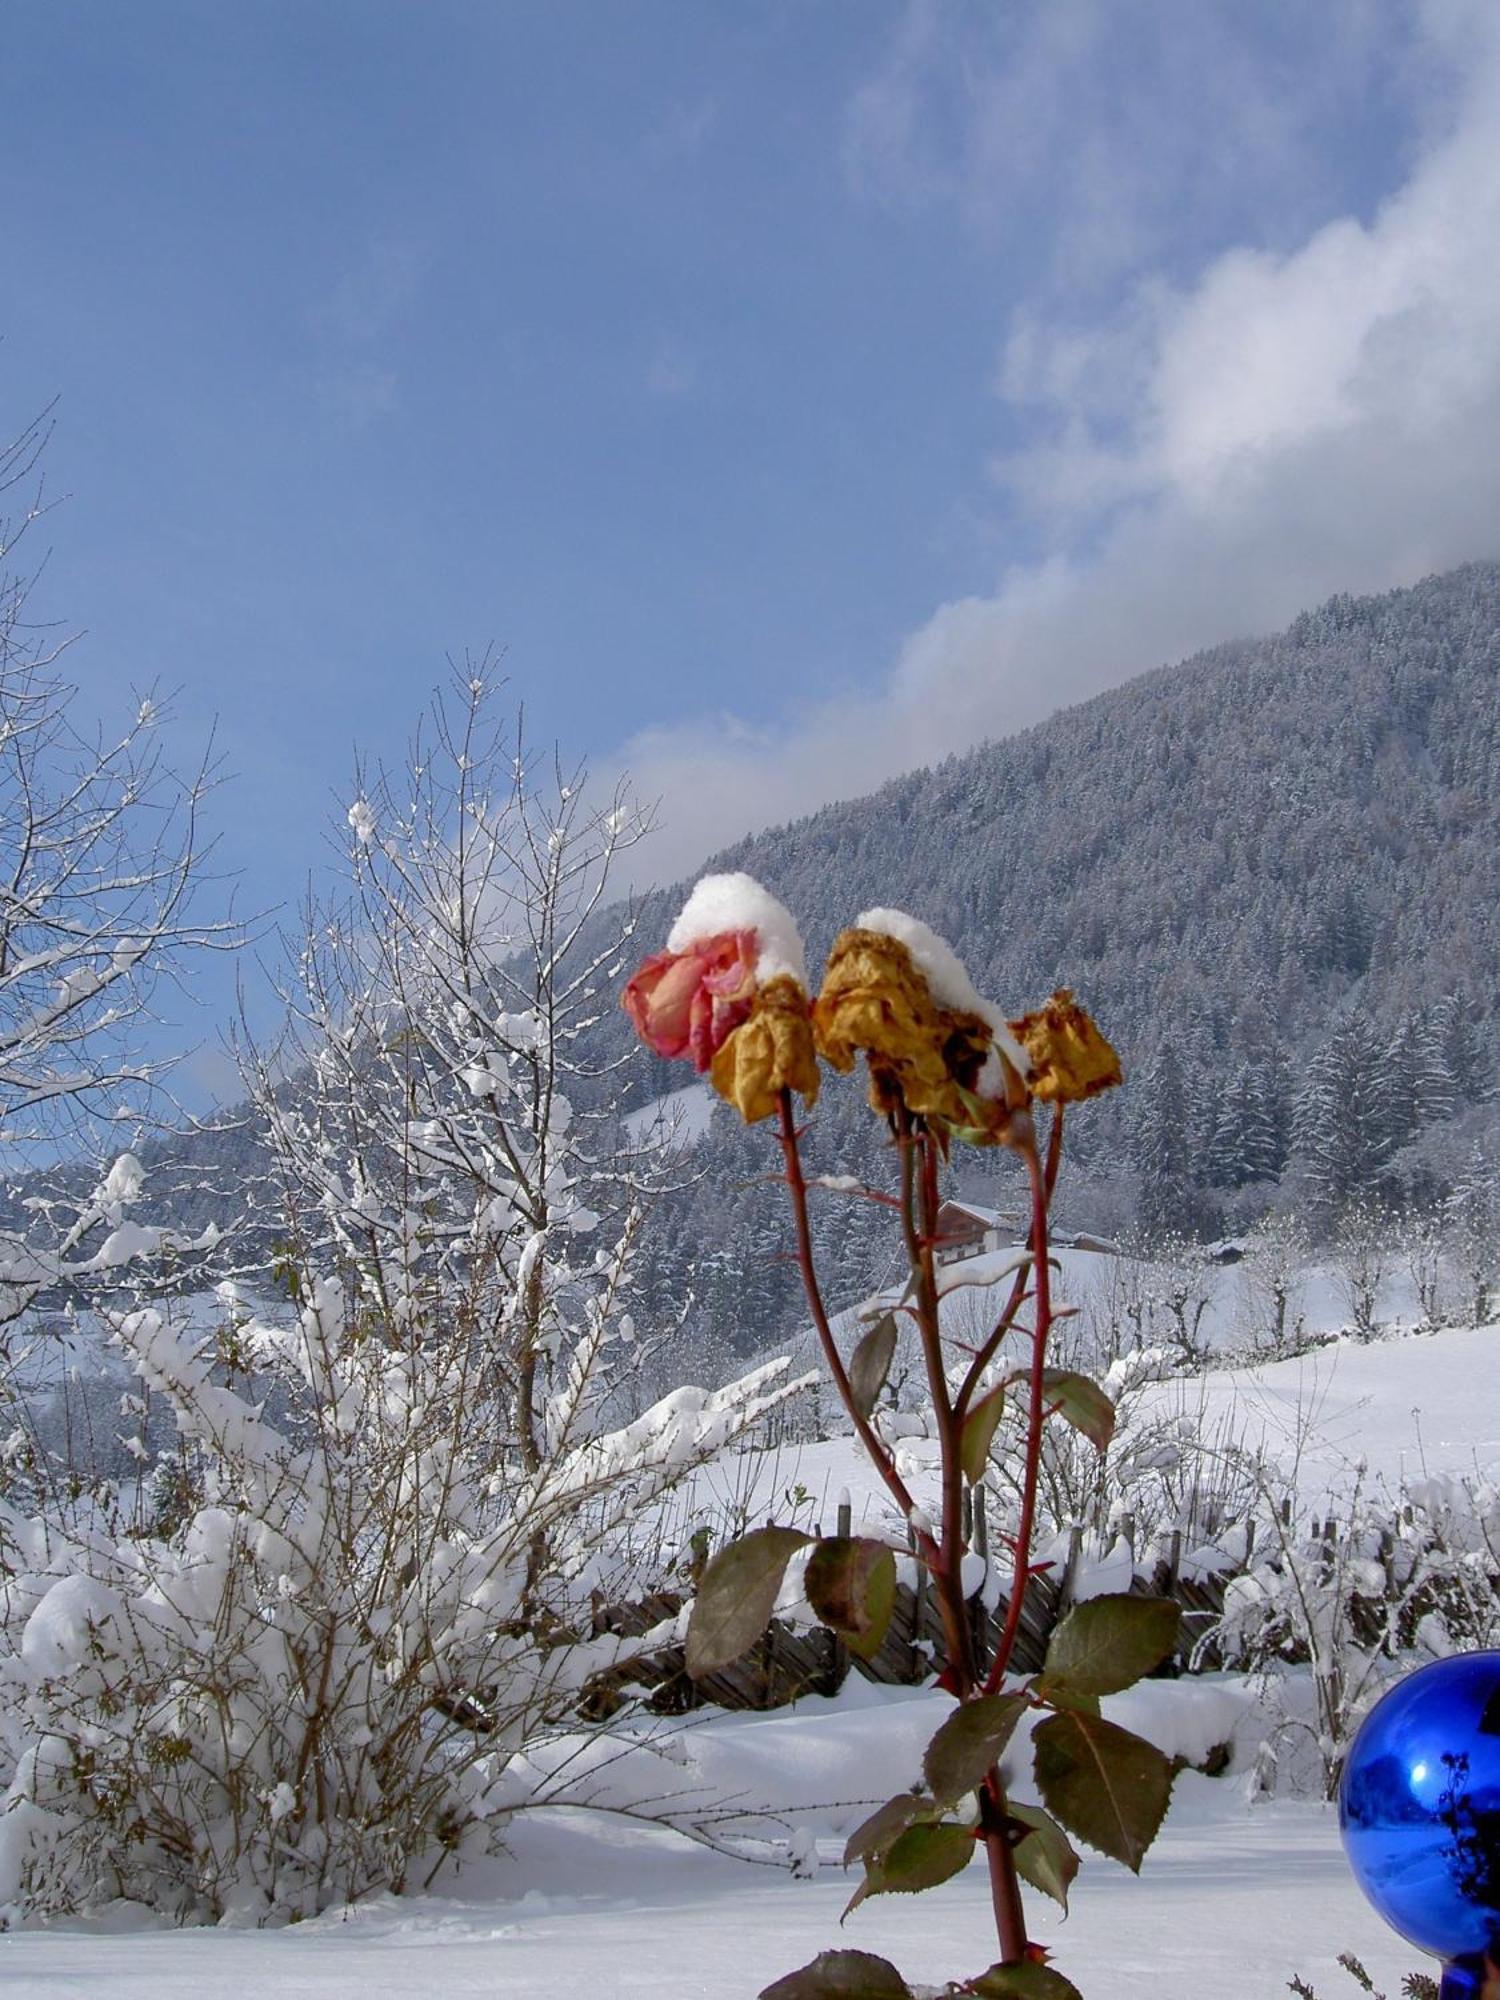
(795, 390)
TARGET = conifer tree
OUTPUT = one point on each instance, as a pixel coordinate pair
(1345, 1128)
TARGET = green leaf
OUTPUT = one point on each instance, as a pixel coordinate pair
(870, 1363)
(736, 1596)
(875, 1834)
(1107, 1643)
(920, 1858)
(1025, 1981)
(960, 1754)
(841, 1975)
(1044, 1857)
(1081, 1403)
(1105, 1785)
(978, 1430)
(851, 1584)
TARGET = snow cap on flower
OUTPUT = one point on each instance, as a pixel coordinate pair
(949, 983)
(738, 903)
(730, 990)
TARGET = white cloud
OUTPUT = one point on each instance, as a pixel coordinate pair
(1110, 133)
(672, 373)
(379, 281)
(1213, 458)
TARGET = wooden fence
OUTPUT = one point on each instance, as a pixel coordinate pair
(793, 1660)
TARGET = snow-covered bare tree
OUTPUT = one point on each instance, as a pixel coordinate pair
(1270, 1277)
(1363, 1254)
(446, 1143)
(1471, 1218)
(394, 1541)
(101, 848)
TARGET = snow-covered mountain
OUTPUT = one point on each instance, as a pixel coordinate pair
(1273, 872)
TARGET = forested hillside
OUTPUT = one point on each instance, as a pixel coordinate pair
(1272, 871)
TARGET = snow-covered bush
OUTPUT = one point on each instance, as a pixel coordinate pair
(1332, 1609)
(1162, 1471)
(386, 1553)
(1315, 1598)
(312, 1687)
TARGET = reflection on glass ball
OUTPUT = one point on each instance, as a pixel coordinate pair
(1419, 1806)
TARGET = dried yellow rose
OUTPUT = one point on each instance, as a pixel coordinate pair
(769, 1052)
(1070, 1059)
(877, 1003)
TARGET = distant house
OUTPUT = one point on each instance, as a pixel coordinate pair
(966, 1231)
(963, 1231)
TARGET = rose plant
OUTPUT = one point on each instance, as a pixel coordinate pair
(944, 1067)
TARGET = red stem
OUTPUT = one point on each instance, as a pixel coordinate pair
(919, 1204)
(984, 1355)
(796, 1182)
(1036, 1413)
(919, 1211)
(1005, 1888)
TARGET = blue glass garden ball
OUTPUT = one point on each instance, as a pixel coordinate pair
(1419, 1805)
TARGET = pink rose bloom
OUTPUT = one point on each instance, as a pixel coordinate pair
(690, 1002)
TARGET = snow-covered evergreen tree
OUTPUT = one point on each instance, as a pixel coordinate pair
(1346, 1125)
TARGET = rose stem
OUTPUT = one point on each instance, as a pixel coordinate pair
(796, 1182)
(919, 1225)
(1037, 1410)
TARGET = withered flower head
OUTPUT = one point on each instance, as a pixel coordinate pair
(771, 1051)
(1070, 1059)
(729, 992)
(941, 1062)
(685, 1003)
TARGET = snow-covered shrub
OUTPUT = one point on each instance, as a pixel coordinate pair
(1315, 1598)
(312, 1686)
(1338, 1606)
(390, 1546)
(1162, 1471)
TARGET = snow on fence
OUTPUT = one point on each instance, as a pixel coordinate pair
(795, 1659)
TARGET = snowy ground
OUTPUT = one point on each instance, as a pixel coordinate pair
(681, 1118)
(1234, 1904)
(1392, 1410)
(1233, 1900)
